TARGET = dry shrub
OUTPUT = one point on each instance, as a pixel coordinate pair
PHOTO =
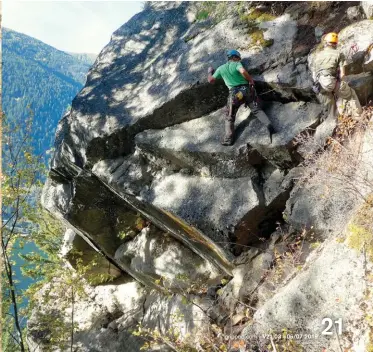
(342, 165)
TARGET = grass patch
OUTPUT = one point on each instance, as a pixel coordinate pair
(257, 16)
(215, 10)
(360, 233)
(258, 39)
(252, 21)
(202, 15)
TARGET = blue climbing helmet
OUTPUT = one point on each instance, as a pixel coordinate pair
(231, 53)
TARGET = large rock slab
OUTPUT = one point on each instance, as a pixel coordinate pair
(231, 212)
(213, 205)
(124, 96)
(159, 256)
(196, 144)
(332, 185)
(323, 207)
(106, 218)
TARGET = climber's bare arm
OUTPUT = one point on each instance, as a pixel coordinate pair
(210, 77)
(246, 75)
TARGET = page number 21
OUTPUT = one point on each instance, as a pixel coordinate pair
(329, 326)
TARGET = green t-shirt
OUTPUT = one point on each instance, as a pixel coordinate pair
(230, 74)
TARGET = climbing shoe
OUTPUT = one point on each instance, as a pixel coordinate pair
(227, 141)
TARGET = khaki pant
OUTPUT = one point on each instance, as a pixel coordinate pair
(339, 97)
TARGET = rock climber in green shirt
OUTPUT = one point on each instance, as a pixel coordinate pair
(241, 91)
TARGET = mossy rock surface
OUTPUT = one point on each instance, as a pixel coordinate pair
(360, 230)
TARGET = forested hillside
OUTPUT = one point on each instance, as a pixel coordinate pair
(39, 79)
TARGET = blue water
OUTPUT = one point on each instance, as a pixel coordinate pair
(22, 282)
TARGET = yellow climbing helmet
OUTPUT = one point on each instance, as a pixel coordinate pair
(331, 38)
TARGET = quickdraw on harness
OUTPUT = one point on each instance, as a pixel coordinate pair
(254, 95)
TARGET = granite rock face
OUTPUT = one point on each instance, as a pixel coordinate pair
(76, 250)
(368, 9)
(139, 176)
(159, 256)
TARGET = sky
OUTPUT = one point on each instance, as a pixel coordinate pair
(74, 26)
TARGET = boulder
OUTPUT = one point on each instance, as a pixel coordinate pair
(368, 9)
(332, 185)
(289, 82)
(363, 86)
(56, 309)
(323, 207)
(361, 35)
(56, 197)
(107, 218)
(188, 315)
(101, 217)
(158, 255)
(123, 97)
(80, 254)
(273, 185)
(122, 298)
(354, 13)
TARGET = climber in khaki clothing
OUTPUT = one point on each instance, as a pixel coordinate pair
(241, 91)
(328, 72)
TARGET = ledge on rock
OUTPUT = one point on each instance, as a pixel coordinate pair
(196, 144)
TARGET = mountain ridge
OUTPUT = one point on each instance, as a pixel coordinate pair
(41, 77)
